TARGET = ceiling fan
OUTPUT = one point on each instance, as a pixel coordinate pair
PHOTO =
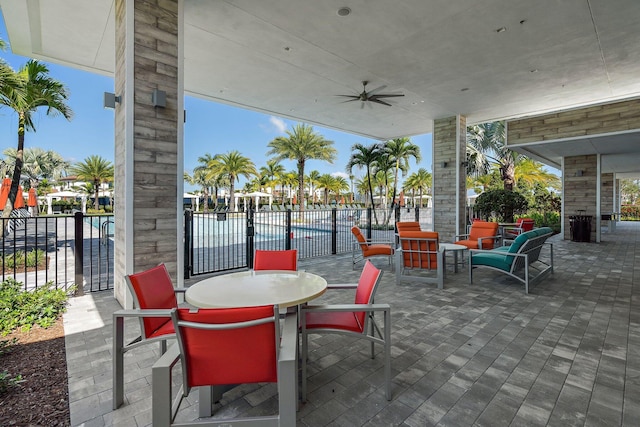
(371, 96)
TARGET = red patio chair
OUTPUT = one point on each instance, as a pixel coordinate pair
(153, 298)
(350, 319)
(524, 224)
(224, 346)
(275, 260)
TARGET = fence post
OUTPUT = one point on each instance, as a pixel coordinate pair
(334, 231)
(188, 246)
(369, 220)
(287, 240)
(79, 252)
(250, 237)
(417, 214)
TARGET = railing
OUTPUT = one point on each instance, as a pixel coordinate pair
(226, 241)
(78, 249)
(70, 249)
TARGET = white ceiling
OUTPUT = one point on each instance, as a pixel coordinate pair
(292, 57)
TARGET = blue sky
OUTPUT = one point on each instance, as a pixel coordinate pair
(211, 127)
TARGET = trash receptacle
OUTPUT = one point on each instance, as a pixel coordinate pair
(580, 226)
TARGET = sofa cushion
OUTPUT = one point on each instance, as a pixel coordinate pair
(494, 258)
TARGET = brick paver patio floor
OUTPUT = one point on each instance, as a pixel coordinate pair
(468, 355)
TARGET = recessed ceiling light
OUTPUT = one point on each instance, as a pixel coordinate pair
(501, 30)
(287, 49)
(344, 11)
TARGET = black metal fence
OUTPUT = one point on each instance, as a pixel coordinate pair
(64, 250)
(78, 249)
(220, 241)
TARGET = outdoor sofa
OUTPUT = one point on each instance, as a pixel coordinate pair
(519, 260)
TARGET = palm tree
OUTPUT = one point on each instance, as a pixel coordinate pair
(232, 165)
(400, 150)
(203, 178)
(420, 181)
(312, 179)
(200, 178)
(290, 179)
(271, 172)
(486, 144)
(95, 170)
(326, 182)
(302, 144)
(531, 173)
(37, 165)
(365, 157)
(33, 89)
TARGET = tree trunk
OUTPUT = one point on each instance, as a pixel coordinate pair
(17, 171)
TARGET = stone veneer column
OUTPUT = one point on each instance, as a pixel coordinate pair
(580, 190)
(148, 148)
(449, 181)
(606, 193)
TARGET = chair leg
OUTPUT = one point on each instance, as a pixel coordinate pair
(303, 356)
(387, 351)
(118, 362)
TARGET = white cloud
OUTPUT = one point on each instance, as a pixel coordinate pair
(278, 123)
(342, 174)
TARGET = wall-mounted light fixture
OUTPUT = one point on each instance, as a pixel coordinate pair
(579, 172)
(110, 100)
(159, 98)
(443, 164)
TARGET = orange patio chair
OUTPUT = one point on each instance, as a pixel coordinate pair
(218, 347)
(350, 319)
(275, 260)
(408, 226)
(419, 250)
(482, 235)
(364, 249)
(153, 298)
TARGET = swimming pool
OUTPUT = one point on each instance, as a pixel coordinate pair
(207, 231)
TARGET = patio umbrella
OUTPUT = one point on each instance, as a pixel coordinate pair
(294, 201)
(4, 192)
(401, 202)
(32, 200)
(19, 203)
(342, 200)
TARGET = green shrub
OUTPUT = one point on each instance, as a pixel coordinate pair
(24, 309)
(630, 213)
(502, 203)
(18, 259)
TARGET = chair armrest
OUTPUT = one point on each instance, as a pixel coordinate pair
(180, 294)
(342, 286)
(375, 242)
(346, 307)
(135, 312)
(457, 236)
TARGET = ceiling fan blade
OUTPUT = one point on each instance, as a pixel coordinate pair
(350, 96)
(371, 92)
(350, 100)
(386, 95)
(379, 101)
(362, 105)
